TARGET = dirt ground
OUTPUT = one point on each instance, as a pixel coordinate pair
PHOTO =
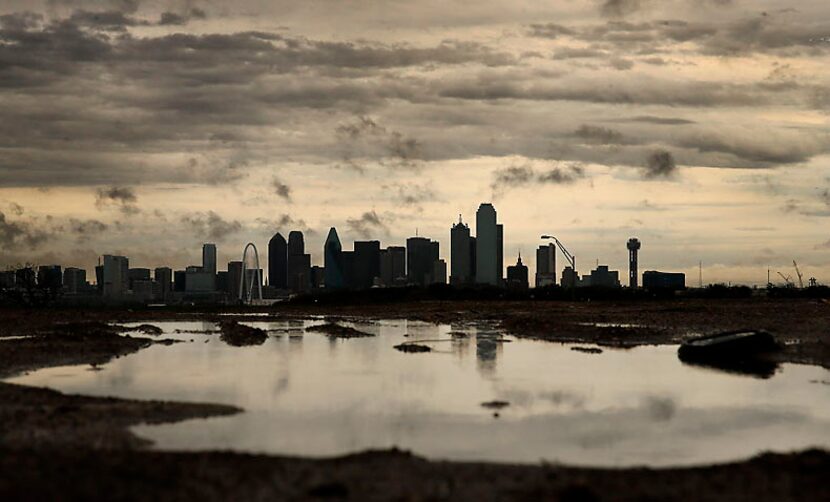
(57, 446)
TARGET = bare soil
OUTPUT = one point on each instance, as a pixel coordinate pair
(58, 446)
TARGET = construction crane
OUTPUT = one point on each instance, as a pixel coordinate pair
(786, 278)
(800, 277)
(568, 256)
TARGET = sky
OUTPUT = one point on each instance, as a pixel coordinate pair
(146, 128)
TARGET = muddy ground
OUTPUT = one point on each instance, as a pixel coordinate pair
(60, 446)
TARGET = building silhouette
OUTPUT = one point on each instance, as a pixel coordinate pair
(439, 272)
(299, 263)
(462, 254)
(393, 266)
(278, 262)
(234, 278)
(633, 246)
(74, 280)
(653, 279)
(517, 276)
(421, 254)
(333, 261)
(209, 258)
(546, 265)
(489, 246)
(136, 275)
(164, 278)
(570, 277)
(366, 263)
(601, 277)
(115, 275)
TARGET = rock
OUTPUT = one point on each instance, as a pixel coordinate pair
(412, 347)
(338, 331)
(239, 335)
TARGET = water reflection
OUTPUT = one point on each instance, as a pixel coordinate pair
(307, 394)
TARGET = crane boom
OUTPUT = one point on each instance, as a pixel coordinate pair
(800, 277)
(785, 277)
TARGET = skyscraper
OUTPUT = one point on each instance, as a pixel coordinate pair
(489, 240)
(116, 275)
(299, 263)
(209, 258)
(421, 253)
(164, 278)
(74, 279)
(366, 263)
(461, 254)
(333, 261)
(278, 262)
(234, 278)
(546, 265)
(393, 266)
(517, 275)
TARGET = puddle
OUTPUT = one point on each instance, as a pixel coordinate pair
(308, 394)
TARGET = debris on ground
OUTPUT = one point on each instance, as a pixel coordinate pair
(240, 335)
(495, 405)
(741, 351)
(338, 331)
(412, 347)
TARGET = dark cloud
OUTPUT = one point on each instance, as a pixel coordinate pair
(19, 234)
(620, 8)
(112, 20)
(86, 228)
(549, 30)
(660, 120)
(525, 175)
(281, 189)
(367, 225)
(210, 226)
(124, 198)
(411, 193)
(365, 138)
(175, 19)
(600, 135)
(660, 164)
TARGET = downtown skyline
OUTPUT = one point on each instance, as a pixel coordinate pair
(700, 127)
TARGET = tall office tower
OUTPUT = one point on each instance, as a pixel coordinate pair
(99, 277)
(298, 263)
(278, 262)
(234, 278)
(393, 266)
(439, 272)
(209, 258)
(461, 255)
(74, 279)
(333, 261)
(633, 246)
(489, 255)
(500, 253)
(366, 263)
(50, 277)
(138, 274)
(180, 281)
(546, 265)
(421, 254)
(164, 278)
(517, 276)
(116, 275)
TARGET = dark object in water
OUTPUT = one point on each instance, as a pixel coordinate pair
(587, 350)
(338, 331)
(741, 351)
(495, 405)
(240, 335)
(412, 347)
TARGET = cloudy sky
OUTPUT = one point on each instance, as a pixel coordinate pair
(148, 127)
